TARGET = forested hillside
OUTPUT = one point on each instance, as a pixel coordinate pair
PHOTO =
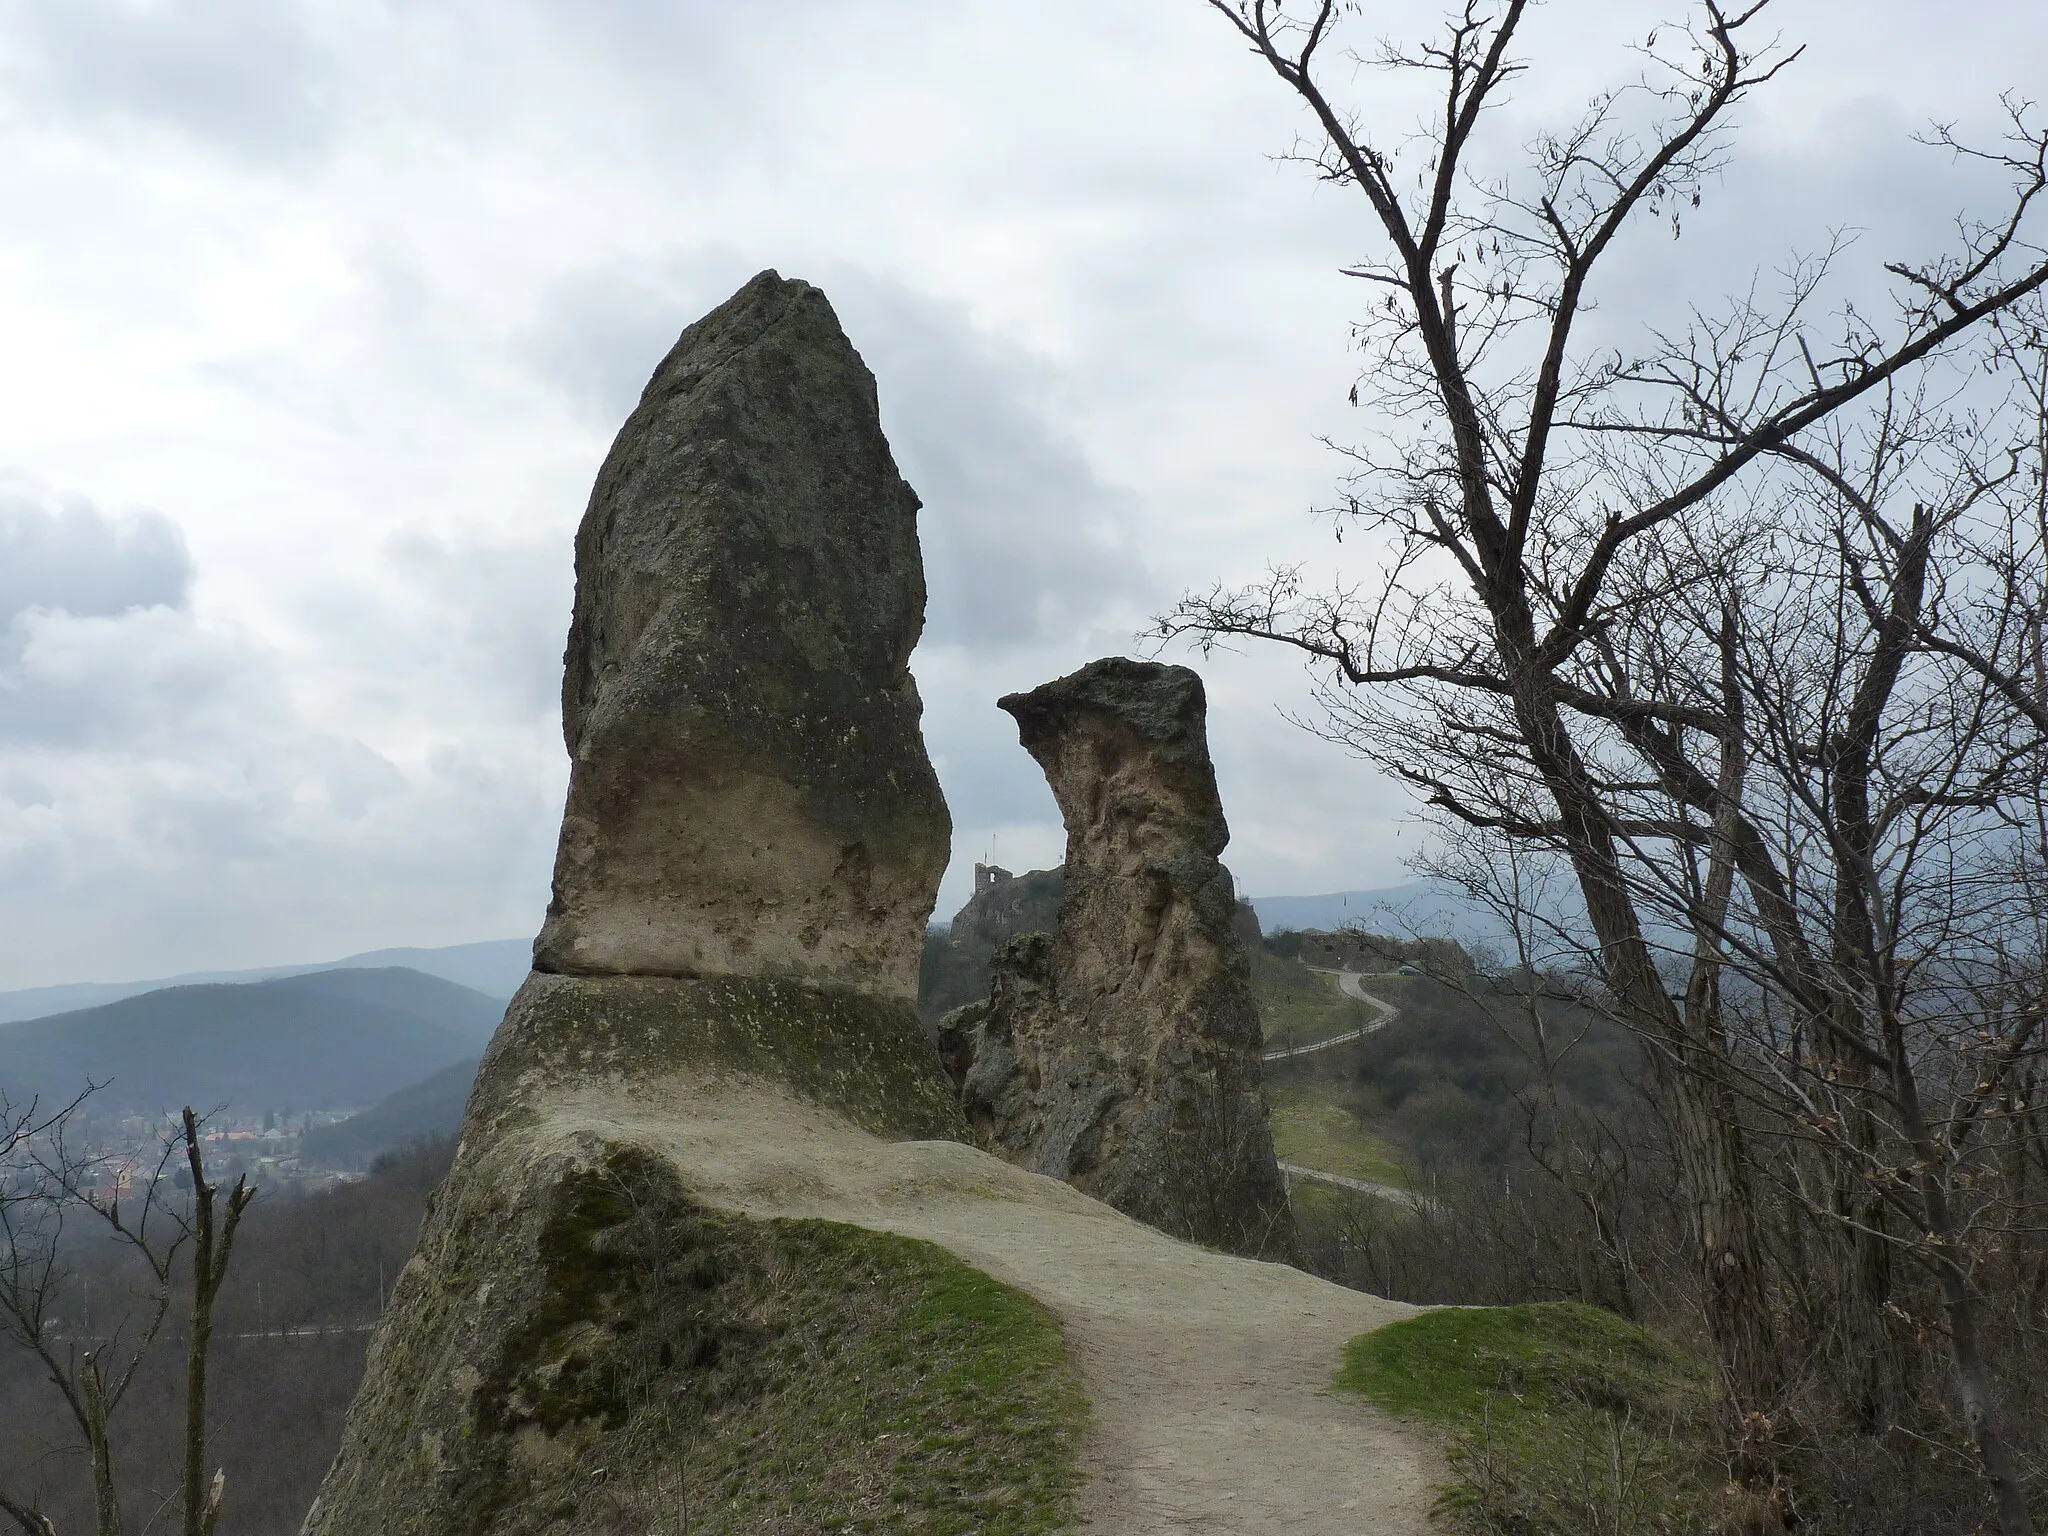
(429, 1108)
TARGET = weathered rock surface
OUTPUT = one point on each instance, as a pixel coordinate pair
(749, 792)
(1121, 1052)
(752, 844)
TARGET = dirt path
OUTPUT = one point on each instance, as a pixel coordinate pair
(1209, 1375)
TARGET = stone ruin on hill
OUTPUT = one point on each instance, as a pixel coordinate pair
(752, 844)
(1003, 907)
(1121, 1051)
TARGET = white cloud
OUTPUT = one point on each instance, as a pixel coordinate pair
(171, 787)
(357, 293)
(245, 75)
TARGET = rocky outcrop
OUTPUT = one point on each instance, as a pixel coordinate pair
(748, 792)
(1003, 907)
(1121, 1052)
(751, 847)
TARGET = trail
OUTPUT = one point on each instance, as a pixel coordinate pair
(1349, 984)
(1209, 1376)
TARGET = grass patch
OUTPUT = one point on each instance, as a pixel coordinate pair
(1315, 1133)
(916, 1394)
(641, 1362)
(1559, 1419)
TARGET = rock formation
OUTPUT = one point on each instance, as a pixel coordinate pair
(1121, 1052)
(752, 844)
(749, 792)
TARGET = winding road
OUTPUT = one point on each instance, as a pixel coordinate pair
(1349, 983)
(1392, 1192)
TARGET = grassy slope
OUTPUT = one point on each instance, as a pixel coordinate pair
(1439, 1083)
(948, 1406)
(693, 1370)
(1313, 1132)
(1298, 1006)
(1560, 1418)
(1311, 1127)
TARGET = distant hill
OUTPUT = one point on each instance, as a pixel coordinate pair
(332, 1039)
(1420, 908)
(494, 967)
(432, 1107)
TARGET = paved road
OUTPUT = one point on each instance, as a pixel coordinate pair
(1350, 983)
(1398, 1196)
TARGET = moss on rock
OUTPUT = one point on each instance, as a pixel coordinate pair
(608, 1354)
(865, 1057)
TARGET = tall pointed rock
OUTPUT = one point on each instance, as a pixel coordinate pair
(749, 792)
(753, 841)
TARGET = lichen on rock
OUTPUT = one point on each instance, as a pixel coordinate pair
(1121, 1052)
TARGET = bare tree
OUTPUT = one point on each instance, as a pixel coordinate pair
(1569, 644)
(213, 1244)
(59, 1197)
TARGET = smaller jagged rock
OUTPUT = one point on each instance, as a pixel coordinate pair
(1121, 1052)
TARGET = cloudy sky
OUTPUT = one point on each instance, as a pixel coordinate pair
(318, 316)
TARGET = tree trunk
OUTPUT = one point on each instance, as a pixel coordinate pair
(106, 1503)
(1980, 1410)
(1690, 1070)
(196, 1523)
(1722, 1216)
(212, 1246)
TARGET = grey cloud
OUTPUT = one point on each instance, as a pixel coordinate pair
(1023, 542)
(244, 75)
(169, 789)
(600, 332)
(492, 611)
(1853, 173)
(72, 557)
(143, 682)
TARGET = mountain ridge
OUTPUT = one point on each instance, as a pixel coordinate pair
(494, 967)
(322, 1040)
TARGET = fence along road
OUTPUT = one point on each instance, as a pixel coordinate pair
(1350, 984)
